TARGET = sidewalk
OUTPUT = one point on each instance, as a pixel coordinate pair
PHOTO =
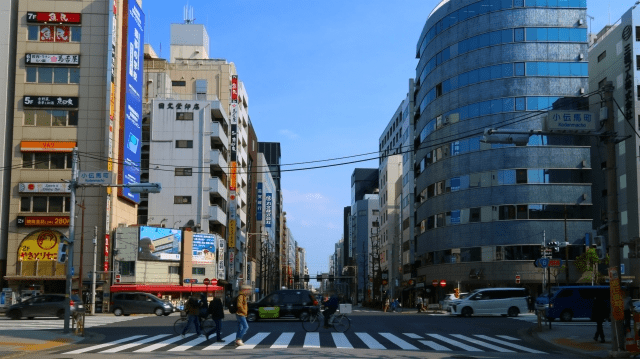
(578, 339)
(14, 343)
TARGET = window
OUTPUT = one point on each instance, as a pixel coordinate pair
(474, 214)
(128, 268)
(183, 171)
(54, 33)
(197, 270)
(439, 90)
(181, 199)
(602, 83)
(184, 116)
(602, 56)
(507, 212)
(45, 161)
(32, 33)
(519, 68)
(46, 118)
(58, 75)
(178, 83)
(174, 270)
(45, 204)
(184, 144)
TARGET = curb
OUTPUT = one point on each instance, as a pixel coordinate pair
(534, 334)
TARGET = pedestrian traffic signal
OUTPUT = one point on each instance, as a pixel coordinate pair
(600, 243)
(62, 251)
(456, 291)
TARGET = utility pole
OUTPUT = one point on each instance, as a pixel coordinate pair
(81, 249)
(72, 222)
(93, 274)
(612, 210)
(566, 247)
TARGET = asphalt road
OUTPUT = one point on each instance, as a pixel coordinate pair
(372, 335)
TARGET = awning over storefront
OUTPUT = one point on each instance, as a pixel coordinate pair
(163, 288)
(33, 278)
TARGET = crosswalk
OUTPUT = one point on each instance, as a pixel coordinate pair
(532, 318)
(55, 323)
(348, 341)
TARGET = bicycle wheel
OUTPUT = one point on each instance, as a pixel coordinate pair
(179, 325)
(207, 325)
(311, 323)
(341, 323)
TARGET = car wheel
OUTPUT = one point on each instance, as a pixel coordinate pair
(159, 312)
(252, 317)
(513, 312)
(304, 316)
(566, 316)
(118, 312)
(466, 312)
(60, 314)
(14, 314)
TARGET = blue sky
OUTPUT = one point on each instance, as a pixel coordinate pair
(323, 77)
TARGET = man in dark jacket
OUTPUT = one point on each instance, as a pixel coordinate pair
(217, 314)
(331, 306)
(599, 313)
(193, 310)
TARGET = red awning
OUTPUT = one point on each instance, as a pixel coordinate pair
(163, 288)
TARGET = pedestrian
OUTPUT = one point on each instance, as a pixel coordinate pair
(331, 306)
(628, 305)
(217, 314)
(386, 304)
(193, 310)
(419, 305)
(203, 305)
(241, 314)
(530, 303)
(599, 313)
(395, 304)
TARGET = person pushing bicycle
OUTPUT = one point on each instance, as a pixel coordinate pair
(331, 306)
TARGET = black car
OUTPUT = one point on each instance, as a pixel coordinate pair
(47, 305)
(139, 303)
(282, 304)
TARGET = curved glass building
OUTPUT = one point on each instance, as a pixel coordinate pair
(484, 209)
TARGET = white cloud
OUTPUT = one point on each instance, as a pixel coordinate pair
(290, 134)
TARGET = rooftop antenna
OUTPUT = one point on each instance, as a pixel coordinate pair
(188, 15)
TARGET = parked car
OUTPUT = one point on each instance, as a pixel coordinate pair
(449, 298)
(139, 303)
(283, 304)
(571, 302)
(46, 305)
(489, 301)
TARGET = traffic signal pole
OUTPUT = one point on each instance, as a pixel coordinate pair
(72, 222)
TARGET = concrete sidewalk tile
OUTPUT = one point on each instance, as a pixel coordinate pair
(590, 346)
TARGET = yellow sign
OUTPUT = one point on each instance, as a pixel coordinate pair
(40, 245)
(617, 299)
(232, 234)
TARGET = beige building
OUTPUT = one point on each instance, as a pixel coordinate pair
(66, 97)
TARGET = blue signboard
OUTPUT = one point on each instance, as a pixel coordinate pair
(204, 248)
(133, 101)
(268, 205)
(259, 204)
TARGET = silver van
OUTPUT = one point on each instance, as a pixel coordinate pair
(491, 301)
(139, 303)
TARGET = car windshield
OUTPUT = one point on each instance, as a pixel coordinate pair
(463, 295)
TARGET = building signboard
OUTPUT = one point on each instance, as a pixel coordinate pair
(42, 221)
(159, 244)
(234, 88)
(232, 234)
(221, 250)
(50, 101)
(47, 146)
(259, 202)
(204, 248)
(54, 17)
(50, 59)
(43, 187)
(570, 121)
(101, 177)
(268, 205)
(40, 246)
(130, 142)
(629, 98)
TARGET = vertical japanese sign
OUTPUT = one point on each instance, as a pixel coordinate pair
(259, 203)
(233, 172)
(268, 205)
(111, 81)
(131, 130)
(222, 247)
(617, 299)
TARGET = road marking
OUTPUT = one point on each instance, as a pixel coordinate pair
(312, 340)
(511, 345)
(164, 343)
(455, 343)
(341, 341)
(283, 341)
(134, 344)
(185, 346)
(217, 346)
(482, 344)
(253, 341)
(99, 346)
(413, 336)
(369, 341)
(434, 345)
(507, 337)
(397, 341)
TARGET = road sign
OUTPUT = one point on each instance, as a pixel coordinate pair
(434, 283)
(73, 270)
(543, 262)
(117, 278)
(443, 283)
(517, 279)
(570, 121)
(206, 281)
(555, 262)
(102, 177)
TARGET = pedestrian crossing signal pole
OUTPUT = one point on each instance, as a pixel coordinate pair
(72, 222)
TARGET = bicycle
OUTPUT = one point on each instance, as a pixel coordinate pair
(207, 324)
(397, 309)
(339, 322)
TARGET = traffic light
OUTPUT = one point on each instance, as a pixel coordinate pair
(456, 291)
(62, 251)
(331, 278)
(306, 278)
(600, 243)
(296, 278)
(554, 245)
(319, 278)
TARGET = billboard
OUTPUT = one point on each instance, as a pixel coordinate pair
(159, 244)
(131, 130)
(204, 248)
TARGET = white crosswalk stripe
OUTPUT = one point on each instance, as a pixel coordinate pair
(55, 324)
(349, 340)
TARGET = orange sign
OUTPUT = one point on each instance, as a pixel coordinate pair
(40, 245)
(41, 221)
(234, 171)
(617, 299)
(47, 146)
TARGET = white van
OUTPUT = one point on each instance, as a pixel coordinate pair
(491, 301)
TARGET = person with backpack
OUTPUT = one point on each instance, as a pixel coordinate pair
(238, 306)
(193, 310)
(216, 311)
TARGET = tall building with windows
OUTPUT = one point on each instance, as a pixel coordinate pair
(483, 210)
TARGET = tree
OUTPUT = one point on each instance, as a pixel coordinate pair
(587, 263)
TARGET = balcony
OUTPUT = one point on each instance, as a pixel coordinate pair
(218, 161)
(217, 187)
(217, 215)
(218, 136)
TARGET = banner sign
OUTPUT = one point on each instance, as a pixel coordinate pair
(617, 297)
(47, 146)
(234, 88)
(259, 204)
(59, 17)
(232, 234)
(132, 134)
(41, 221)
(268, 205)
(221, 250)
(41, 246)
(234, 176)
(51, 33)
(48, 59)
(50, 101)
(204, 248)
(44, 188)
(106, 253)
